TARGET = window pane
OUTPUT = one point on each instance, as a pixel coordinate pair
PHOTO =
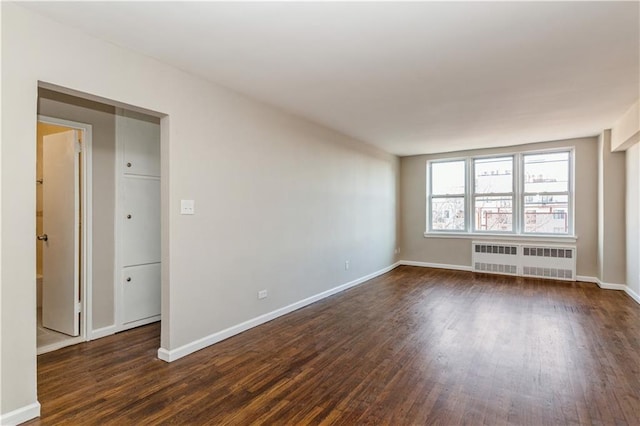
(546, 214)
(546, 172)
(447, 178)
(493, 175)
(447, 214)
(493, 214)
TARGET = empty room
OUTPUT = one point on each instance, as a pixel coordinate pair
(293, 213)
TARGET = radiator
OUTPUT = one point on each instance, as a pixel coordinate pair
(529, 260)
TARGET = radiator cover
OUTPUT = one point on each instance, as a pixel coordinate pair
(523, 259)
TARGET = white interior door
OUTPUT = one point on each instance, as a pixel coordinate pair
(61, 223)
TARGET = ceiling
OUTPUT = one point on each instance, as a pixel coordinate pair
(410, 78)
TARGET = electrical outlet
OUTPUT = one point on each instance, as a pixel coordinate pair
(346, 265)
(262, 294)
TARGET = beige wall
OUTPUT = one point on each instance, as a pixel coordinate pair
(633, 217)
(457, 251)
(626, 131)
(102, 119)
(611, 212)
(281, 203)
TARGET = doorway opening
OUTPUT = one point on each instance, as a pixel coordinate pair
(63, 232)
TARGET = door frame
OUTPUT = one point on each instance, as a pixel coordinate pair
(86, 221)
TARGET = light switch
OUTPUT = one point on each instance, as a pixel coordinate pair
(187, 207)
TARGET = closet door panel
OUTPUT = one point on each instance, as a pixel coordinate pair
(141, 142)
(141, 221)
(141, 292)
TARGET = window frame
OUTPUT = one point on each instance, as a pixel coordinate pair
(570, 192)
(518, 197)
(430, 196)
(474, 194)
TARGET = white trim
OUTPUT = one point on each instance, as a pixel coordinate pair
(435, 265)
(588, 279)
(504, 237)
(196, 345)
(117, 222)
(611, 286)
(61, 344)
(103, 332)
(138, 323)
(86, 268)
(635, 296)
(21, 415)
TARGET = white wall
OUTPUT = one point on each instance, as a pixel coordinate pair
(281, 203)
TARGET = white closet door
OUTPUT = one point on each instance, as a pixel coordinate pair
(141, 142)
(141, 227)
(141, 291)
(61, 219)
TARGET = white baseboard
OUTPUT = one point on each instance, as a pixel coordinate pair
(103, 332)
(59, 345)
(20, 415)
(588, 279)
(139, 323)
(635, 296)
(435, 265)
(189, 348)
(607, 286)
(610, 286)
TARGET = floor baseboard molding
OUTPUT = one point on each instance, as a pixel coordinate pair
(189, 348)
(103, 332)
(20, 415)
(610, 286)
(59, 345)
(603, 285)
(635, 296)
(435, 265)
(588, 279)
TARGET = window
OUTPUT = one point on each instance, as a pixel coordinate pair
(546, 192)
(493, 194)
(527, 193)
(447, 198)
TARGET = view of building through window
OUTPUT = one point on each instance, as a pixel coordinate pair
(493, 196)
(546, 193)
(448, 195)
(543, 193)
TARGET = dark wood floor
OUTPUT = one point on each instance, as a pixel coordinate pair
(414, 346)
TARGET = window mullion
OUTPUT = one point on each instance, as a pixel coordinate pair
(518, 182)
(469, 194)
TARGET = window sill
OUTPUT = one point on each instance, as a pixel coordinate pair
(504, 237)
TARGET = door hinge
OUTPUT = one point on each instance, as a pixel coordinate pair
(78, 307)
(78, 147)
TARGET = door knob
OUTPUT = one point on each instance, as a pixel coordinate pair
(128, 216)
(43, 237)
(128, 164)
(128, 279)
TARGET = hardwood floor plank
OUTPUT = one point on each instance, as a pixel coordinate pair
(414, 346)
